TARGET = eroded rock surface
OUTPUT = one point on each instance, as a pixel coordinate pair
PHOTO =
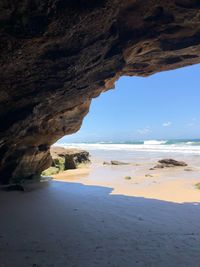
(56, 55)
(168, 163)
(67, 159)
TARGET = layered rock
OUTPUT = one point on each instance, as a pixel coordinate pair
(56, 55)
(66, 159)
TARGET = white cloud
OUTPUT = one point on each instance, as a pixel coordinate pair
(167, 124)
(144, 131)
(192, 123)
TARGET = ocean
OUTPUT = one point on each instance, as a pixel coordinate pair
(148, 151)
(181, 146)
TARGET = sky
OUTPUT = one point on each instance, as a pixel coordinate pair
(163, 106)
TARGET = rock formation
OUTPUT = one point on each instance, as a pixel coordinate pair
(56, 55)
(168, 163)
(66, 159)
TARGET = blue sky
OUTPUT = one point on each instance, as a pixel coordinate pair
(162, 106)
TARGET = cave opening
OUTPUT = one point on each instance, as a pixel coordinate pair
(141, 122)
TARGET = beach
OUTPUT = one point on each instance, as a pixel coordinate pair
(99, 133)
(94, 216)
(176, 184)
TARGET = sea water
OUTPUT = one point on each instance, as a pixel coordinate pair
(137, 151)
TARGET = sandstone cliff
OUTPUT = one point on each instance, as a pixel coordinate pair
(56, 55)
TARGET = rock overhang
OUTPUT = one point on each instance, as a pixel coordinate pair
(57, 55)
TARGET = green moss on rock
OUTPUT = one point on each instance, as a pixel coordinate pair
(59, 163)
(51, 171)
(197, 186)
(66, 159)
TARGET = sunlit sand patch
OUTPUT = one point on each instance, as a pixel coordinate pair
(174, 184)
(178, 191)
(72, 174)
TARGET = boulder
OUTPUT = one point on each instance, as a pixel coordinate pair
(66, 159)
(172, 162)
(168, 163)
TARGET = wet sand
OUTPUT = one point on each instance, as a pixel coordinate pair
(176, 184)
(73, 223)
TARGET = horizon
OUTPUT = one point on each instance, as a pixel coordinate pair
(131, 141)
(163, 106)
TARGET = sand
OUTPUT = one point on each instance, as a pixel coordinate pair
(175, 184)
(114, 222)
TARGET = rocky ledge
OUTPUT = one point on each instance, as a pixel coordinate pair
(56, 55)
(66, 159)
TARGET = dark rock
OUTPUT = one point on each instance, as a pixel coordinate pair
(168, 163)
(115, 162)
(127, 177)
(58, 55)
(148, 175)
(172, 162)
(27, 185)
(159, 166)
(188, 169)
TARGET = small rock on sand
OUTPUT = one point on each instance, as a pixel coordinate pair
(106, 163)
(128, 177)
(115, 162)
(188, 169)
(148, 175)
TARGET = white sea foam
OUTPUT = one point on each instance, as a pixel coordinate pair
(146, 147)
(155, 142)
(190, 143)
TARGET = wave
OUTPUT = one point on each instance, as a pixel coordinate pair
(154, 142)
(151, 146)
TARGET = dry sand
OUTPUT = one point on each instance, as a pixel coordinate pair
(72, 223)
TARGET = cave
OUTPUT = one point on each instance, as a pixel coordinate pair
(58, 55)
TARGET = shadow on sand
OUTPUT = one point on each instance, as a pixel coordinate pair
(70, 224)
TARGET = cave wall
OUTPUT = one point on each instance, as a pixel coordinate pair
(56, 55)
